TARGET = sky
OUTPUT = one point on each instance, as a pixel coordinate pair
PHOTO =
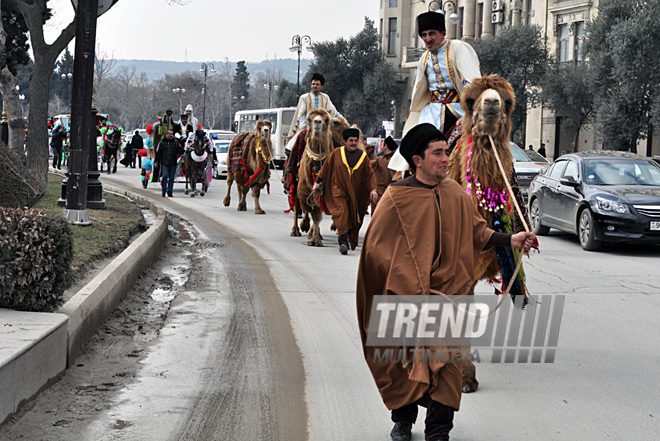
(205, 30)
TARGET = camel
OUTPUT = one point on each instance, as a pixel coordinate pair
(337, 127)
(488, 103)
(318, 145)
(248, 160)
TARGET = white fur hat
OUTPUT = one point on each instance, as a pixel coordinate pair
(189, 107)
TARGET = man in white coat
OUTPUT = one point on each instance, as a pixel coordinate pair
(191, 118)
(308, 102)
(443, 71)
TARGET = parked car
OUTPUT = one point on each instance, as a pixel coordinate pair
(602, 196)
(221, 149)
(526, 167)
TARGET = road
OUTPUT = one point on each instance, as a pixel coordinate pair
(284, 332)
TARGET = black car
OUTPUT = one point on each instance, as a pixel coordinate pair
(602, 196)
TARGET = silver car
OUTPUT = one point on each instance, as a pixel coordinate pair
(221, 149)
(526, 169)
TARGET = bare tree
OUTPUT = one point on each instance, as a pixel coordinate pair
(10, 98)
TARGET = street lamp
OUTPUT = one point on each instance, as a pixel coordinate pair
(447, 5)
(179, 91)
(297, 43)
(205, 68)
(65, 77)
(269, 87)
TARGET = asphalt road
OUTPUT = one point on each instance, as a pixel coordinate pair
(284, 332)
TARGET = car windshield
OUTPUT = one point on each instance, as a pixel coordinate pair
(518, 154)
(222, 147)
(623, 171)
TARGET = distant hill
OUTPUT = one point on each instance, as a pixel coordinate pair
(156, 69)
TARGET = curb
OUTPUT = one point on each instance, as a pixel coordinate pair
(90, 306)
(36, 348)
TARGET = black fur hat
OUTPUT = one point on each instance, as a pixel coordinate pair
(318, 76)
(430, 20)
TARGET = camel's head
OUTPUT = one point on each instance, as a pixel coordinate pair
(337, 127)
(263, 129)
(488, 103)
(318, 120)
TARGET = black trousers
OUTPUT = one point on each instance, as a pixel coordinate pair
(57, 156)
(439, 418)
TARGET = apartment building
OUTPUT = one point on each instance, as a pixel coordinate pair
(564, 25)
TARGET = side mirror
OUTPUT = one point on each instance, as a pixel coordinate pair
(569, 181)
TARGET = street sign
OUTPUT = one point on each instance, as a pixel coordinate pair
(104, 5)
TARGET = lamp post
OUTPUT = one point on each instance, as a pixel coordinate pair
(269, 87)
(297, 43)
(447, 5)
(66, 77)
(179, 91)
(205, 68)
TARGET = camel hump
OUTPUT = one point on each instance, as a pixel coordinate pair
(238, 150)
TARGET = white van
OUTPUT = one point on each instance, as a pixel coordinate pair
(281, 119)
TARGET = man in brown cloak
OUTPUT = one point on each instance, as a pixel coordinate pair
(426, 234)
(350, 184)
(379, 165)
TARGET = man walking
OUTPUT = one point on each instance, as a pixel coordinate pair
(166, 159)
(350, 185)
(443, 71)
(381, 171)
(425, 235)
(57, 139)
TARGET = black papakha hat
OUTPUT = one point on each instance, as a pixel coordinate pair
(184, 115)
(318, 76)
(430, 20)
(391, 144)
(200, 133)
(350, 132)
(417, 139)
(168, 111)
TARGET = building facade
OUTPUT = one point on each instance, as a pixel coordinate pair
(563, 23)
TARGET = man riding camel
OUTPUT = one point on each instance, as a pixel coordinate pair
(443, 71)
(308, 102)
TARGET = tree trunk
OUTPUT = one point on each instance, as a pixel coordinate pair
(14, 112)
(45, 56)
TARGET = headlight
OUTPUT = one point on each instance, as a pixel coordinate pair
(607, 205)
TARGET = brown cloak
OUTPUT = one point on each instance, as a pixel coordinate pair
(412, 245)
(383, 174)
(347, 191)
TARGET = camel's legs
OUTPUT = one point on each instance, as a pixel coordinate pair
(230, 180)
(295, 231)
(256, 191)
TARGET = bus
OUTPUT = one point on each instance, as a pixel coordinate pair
(281, 119)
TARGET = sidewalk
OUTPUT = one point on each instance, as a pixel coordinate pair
(36, 348)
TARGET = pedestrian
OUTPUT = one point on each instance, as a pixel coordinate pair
(58, 134)
(350, 184)
(137, 144)
(307, 102)
(542, 150)
(166, 160)
(383, 173)
(381, 133)
(443, 71)
(531, 147)
(426, 234)
(192, 119)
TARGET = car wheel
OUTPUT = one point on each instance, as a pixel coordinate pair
(535, 219)
(587, 231)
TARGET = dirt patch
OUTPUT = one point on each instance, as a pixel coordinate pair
(111, 359)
